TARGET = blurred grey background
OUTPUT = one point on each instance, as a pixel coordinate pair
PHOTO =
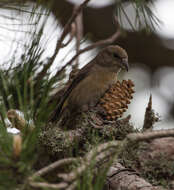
(151, 54)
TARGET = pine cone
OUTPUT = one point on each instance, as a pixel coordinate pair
(116, 99)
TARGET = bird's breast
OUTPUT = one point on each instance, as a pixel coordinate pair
(103, 79)
(91, 88)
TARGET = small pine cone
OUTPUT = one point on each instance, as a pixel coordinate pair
(115, 101)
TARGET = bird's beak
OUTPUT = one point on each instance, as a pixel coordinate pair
(125, 64)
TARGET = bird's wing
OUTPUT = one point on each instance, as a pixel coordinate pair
(80, 76)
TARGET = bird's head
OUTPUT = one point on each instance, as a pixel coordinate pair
(114, 57)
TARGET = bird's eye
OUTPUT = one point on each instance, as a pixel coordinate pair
(116, 56)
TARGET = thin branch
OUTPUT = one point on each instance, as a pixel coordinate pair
(72, 34)
(68, 25)
(79, 34)
(90, 157)
(59, 42)
(52, 166)
(107, 41)
(115, 147)
(73, 185)
(97, 154)
(48, 185)
(137, 137)
(150, 118)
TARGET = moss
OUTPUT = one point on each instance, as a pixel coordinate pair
(157, 171)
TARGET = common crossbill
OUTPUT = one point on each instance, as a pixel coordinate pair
(93, 80)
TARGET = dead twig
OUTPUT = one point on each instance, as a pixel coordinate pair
(79, 34)
(107, 41)
(97, 153)
(62, 37)
(150, 118)
(48, 185)
(52, 166)
(137, 137)
(67, 26)
(72, 34)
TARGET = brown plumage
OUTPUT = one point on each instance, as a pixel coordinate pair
(93, 80)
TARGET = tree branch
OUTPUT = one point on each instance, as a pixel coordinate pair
(60, 40)
(137, 137)
(48, 185)
(107, 41)
(79, 34)
(52, 166)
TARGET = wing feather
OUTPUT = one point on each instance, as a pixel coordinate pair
(84, 72)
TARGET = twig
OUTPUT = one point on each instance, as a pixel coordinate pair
(137, 137)
(107, 41)
(79, 33)
(72, 34)
(150, 118)
(72, 186)
(97, 155)
(52, 166)
(118, 147)
(99, 43)
(48, 185)
(90, 156)
(59, 42)
(67, 26)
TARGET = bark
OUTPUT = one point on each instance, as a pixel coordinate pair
(121, 178)
(146, 164)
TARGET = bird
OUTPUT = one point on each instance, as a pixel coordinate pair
(92, 81)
